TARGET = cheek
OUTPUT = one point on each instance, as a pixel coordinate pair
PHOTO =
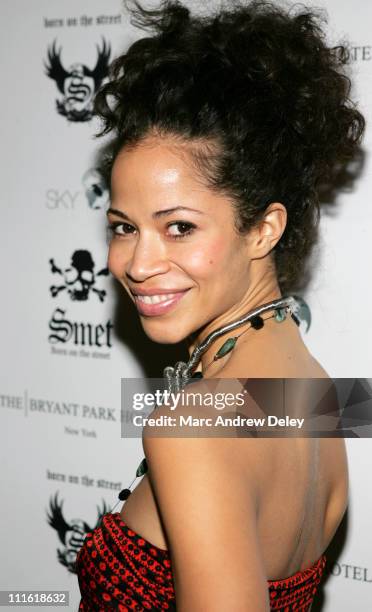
(209, 260)
(115, 260)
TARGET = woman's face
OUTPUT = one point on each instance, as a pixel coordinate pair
(173, 244)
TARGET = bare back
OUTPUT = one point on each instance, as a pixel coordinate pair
(302, 482)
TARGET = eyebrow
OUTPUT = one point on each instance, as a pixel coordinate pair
(158, 213)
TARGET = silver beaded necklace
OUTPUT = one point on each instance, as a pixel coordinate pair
(182, 373)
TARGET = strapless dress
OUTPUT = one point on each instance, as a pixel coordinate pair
(119, 570)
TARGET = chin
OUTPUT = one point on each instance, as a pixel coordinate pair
(163, 333)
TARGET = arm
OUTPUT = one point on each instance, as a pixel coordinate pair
(210, 518)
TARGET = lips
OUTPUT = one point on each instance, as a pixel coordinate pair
(153, 304)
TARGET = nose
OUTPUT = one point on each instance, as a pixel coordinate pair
(149, 258)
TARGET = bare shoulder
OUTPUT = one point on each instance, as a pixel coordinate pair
(273, 361)
(209, 511)
(193, 415)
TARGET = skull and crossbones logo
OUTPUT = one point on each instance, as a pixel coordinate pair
(79, 278)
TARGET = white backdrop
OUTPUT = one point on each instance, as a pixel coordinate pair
(63, 358)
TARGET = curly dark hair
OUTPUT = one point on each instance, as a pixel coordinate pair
(261, 96)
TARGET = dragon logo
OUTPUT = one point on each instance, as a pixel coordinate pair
(72, 533)
(78, 84)
(79, 278)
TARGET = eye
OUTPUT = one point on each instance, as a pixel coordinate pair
(125, 228)
(176, 229)
(183, 229)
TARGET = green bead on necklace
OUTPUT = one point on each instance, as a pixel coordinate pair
(280, 315)
(142, 468)
(227, 346)
(256, 322)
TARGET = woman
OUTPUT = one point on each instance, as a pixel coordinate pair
(226, 127)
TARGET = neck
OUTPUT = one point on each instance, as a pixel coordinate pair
(254, 297)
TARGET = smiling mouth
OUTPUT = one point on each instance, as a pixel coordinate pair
(158, 304)
(156, 299)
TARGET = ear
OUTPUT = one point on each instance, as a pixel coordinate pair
(264, 236)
